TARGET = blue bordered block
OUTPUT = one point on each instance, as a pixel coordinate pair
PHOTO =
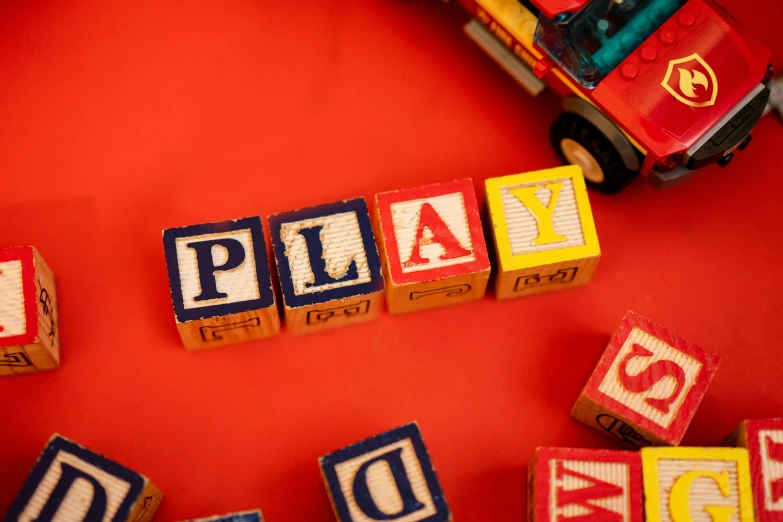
(387, 477)
(220, 283)
(244, 516)
(328, 264)
(79, 485)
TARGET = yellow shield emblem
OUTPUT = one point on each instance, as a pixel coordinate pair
(691, 81)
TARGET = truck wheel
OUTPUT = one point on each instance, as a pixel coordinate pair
(579, 142)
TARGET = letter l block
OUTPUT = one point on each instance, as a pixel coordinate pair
(328, 265)
(647, 385)
(543, 230)
(387, 477)
(220, 283)
(78, 485)
(687, 484)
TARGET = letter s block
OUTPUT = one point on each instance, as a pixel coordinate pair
(432, 246)
(29, 328)
(328, 265)
(647, 385)
(544, 234)
(584, 484)
(763, 438)
(220, 283)
(695, 484)
(387, 477)
(244, 516)
(77, 485)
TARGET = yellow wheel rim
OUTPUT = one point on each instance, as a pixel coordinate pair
(577, 155)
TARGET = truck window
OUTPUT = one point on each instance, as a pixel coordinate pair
(592, 42)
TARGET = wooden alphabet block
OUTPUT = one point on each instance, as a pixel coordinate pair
(763, 438)
(328, 265)
(584, 484)
(695, 484)
(543, 230)
(432, 246)
(244, 516)
(70, 483)
(29, 329)
(647, 385)
(386, 477)
(220, 283)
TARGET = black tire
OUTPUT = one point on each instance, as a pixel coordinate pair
(572, 126)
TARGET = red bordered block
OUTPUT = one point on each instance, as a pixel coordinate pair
(584, 484)
(647, 385)
(432, 246)
(763, 438)
(29, 328)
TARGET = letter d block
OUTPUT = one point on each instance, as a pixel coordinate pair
(328, 265)
(220, 283)
(70, 483)
(584, 484)
(433, 246)
(697, 484)
(763, 439)
(29, 334)
(647, 385)
(387, 477)
(545, 238)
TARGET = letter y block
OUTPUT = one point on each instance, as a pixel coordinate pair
(544, 233)
(387, 477)
(220, 283)
(70, 483)
(689, 484)
(647, 385)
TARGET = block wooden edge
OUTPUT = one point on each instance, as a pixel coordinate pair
(147, 503)
(329, 491)
(222, 330)
(296, 319)
(506, 281)
(437, 293)
(586, 410)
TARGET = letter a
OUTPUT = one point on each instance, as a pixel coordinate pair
(97, 509)
(543, 214)
(680, 501)
(364, 498)
(206, 264)
(429, 218)
(651, 375)
(597, 489)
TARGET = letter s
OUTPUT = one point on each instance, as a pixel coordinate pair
(651, 375)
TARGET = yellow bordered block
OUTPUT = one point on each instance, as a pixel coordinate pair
(543, 230)
(694, 484)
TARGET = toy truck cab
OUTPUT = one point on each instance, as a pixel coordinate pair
(658, 87)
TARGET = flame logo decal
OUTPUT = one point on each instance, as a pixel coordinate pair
(695, 84)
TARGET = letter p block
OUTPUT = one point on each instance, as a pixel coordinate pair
(70, 483)
(544, 233)
(693, 484)
(387, 477)
(647, 385)
(220, 283)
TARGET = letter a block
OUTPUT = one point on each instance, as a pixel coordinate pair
(220, 283)
(763, 439)
(328, 265)
(695, 484)
(29, 334)
(244, 516)
(70, 483)
(544, 233)
(647, 385)
(584, 484)
(387, 477)
(432, 246)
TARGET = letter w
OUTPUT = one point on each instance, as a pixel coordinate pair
(597, 489)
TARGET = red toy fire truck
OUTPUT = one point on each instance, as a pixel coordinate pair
(657, 87)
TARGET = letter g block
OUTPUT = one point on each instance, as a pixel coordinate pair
(387, 477)
(220, 283)
(70, 483)
(544, 234)
(647, 385)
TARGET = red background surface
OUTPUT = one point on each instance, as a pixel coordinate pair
(121, 118)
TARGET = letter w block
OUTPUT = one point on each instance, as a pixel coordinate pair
(581, 485)
(387, 477)
(545, 238)
(70, 483)
(647, 385)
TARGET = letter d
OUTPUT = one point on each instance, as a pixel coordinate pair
(97, 509)
(365, 501)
